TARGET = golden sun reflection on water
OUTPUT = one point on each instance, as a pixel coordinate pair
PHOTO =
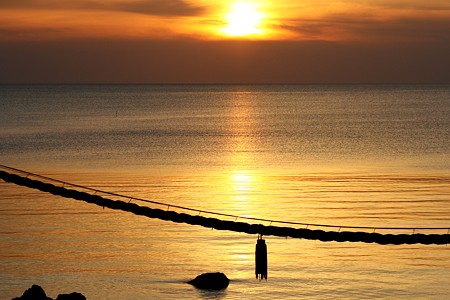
(242, 189)
(242, 181)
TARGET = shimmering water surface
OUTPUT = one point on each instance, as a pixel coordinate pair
(346, 155)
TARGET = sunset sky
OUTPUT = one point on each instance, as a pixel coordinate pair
(202, 41)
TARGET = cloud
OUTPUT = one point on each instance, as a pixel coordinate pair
(372, 27)
(371, 19)
(163, 8)
(432, 5)
(159, 7)
(30, 33)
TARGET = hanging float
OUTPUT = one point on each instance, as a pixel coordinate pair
(261, 259)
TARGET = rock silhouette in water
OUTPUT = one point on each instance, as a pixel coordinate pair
(37, 293)
(71, 296)
(34, 293)
(211, 281)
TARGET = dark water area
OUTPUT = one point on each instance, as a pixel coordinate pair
(274, 127)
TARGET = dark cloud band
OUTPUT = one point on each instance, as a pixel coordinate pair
(149, 7)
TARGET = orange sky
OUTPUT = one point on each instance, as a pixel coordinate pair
(319, 41)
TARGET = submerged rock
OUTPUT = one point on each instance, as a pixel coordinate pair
(34, 293)
(71, 296)
(211, 281)
(37, 293)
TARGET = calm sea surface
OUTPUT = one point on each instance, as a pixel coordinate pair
(339, 154)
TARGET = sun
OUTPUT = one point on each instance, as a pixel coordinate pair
(243, 19)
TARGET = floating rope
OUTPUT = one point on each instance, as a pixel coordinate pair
(166, 215)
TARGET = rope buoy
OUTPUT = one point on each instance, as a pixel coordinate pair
(261, 259)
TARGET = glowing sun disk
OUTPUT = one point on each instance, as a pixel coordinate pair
(243, 19)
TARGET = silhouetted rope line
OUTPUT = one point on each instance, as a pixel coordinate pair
(305, 233)
(129, 198)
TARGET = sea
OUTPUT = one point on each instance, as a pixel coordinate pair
(343, 155)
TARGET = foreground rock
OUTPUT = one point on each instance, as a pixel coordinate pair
(72, 296)
(37, 293)
(211, 281)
